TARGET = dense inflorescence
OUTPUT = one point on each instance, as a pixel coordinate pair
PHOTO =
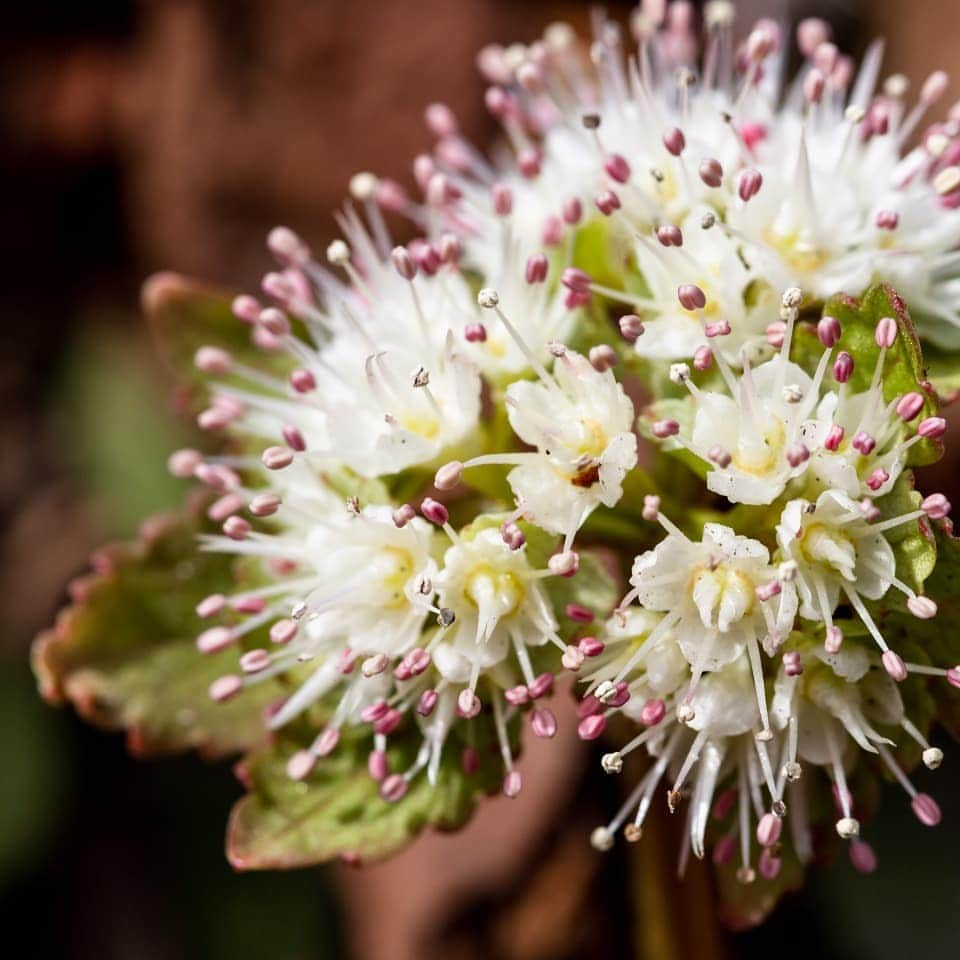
(663, 266)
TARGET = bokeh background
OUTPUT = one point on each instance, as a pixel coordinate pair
(138, 136)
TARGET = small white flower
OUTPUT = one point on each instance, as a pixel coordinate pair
(500, 607)
(580, 421)
(709, 593)
(836, 552)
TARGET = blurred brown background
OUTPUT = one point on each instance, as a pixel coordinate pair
(141, 136)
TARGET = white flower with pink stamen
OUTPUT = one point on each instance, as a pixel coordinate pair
(753, 437)
(581, 422)
(501, 612)
(837, 556)
(720, 597)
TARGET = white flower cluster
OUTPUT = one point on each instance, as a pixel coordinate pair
(694, 189)
(712, 167)
(721, 616)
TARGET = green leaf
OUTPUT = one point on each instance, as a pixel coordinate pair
(338, 812)
(914, 547)
(935, 641)
(185, 315)
(124, 651)
(903, 369)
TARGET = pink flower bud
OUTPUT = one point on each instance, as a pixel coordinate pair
(427, 702)
(602, 357)
(774, 333)
(572, 210)
(564, 564)
(517, 696)
(434, 511)
(543, 723)
(843, 367)
(674, 141)
(449, 475)
(475, 333)
(236, 528)
(224, 688)
(828, 330)
(909, 406)
(512, 784)
(719, 328)
(923, 608)
(529, 161)
(294, 438)
(792, 665)
(716, 454)
(591, 727)
(394, 788)
(283, 631)
(403, 515)
(213, 360)
(670, 235)
(926, 809)
(662, 429)
(246, 308)
(877, 479)
(617, 168)
(833, 639)
(274, 321)
(607, 202)
(652, 712)
(749, 183)
(512, 535)
(768, 829)
(590, 646)
(768, 865)
(724, 849)
(711, 172)
(894, 665)
(702, 358)
(933, 428)
(541, 686)
(215, 639)
(936, 506)
(862, 857)
(301, 764)
(536, 269)
(578, 613)
(502, 199)
(887, 219)
(276, 458)
(576, 280)
(834, 437)
(631, 327)
(691, 297)
(886, 333)
(468, 703)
